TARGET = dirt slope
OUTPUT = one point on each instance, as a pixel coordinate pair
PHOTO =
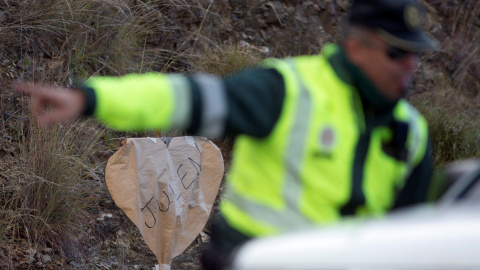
(273, 29)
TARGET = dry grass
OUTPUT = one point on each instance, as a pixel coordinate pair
(226, 60)
(67, 40)
(454, 133)
(44, 201)
(42, 197)
(451, 103)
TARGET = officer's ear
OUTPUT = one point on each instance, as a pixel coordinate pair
(355, 49)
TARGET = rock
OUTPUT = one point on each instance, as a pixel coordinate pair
(3, 16)
(38, 256)
(95, 250)
(28, 259)
(46, 259)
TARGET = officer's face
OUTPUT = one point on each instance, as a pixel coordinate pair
(389, 68)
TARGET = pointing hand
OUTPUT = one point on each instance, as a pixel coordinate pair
(51, 104)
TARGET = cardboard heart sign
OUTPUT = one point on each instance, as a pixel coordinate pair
(167, 191)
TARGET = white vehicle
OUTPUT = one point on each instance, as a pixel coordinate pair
(441, 236)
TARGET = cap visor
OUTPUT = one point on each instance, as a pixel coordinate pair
(413, 42)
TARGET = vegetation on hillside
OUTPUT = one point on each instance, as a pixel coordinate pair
(45, 198)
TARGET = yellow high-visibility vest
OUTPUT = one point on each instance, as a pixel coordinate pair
(302, 174)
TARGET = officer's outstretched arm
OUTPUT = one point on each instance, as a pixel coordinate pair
(248, 103)
(132, 102)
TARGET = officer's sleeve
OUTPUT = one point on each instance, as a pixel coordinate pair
(148, 101)
(255, 100)
(246, 103)
(418, 185)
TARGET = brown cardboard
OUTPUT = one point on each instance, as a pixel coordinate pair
(168, 192)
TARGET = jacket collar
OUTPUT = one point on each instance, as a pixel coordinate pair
(371, 97)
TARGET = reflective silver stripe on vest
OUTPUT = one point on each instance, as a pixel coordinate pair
(290, 218)
(183, 100)
(214, 105)
(416, 134)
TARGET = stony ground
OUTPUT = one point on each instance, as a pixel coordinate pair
(273, 28)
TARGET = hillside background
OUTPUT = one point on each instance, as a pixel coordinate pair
(55, 210)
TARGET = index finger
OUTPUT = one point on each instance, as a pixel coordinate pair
(26, 88)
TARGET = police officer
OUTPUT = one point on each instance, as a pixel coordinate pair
(318, 137)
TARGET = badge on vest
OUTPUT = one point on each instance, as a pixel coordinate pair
(327, 140)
